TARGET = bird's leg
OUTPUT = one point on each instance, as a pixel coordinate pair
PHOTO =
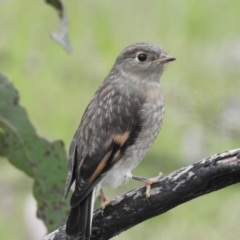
(148, 182)
(105, 200)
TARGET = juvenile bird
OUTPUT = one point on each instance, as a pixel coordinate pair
(117, 129)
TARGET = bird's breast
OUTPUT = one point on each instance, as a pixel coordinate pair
(151, 114)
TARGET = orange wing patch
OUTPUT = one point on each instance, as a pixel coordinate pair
(121, 138)
(100, 166)
(116, 156)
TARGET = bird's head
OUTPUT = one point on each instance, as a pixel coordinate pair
(142, 61)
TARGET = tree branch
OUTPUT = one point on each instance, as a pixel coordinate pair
(208, 175)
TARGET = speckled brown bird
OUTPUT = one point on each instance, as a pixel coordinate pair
(118, 127)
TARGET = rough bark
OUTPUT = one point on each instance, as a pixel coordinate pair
(208, 175)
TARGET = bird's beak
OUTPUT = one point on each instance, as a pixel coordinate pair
(166, 59)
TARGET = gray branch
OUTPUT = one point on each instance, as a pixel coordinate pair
(208, 175)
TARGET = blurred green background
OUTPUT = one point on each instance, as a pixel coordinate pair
(201, 96)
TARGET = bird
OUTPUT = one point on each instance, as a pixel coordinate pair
(117, 129)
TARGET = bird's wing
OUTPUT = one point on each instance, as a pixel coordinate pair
(71, 164)
(110, 124)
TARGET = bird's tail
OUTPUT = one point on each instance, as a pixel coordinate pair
(79, 222)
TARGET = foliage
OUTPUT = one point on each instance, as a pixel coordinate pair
(41, 160)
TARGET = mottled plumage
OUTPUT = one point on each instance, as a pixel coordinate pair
(118, 127)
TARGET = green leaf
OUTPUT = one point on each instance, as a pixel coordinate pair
(40, 159)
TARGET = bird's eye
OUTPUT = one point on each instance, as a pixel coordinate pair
(142, 57)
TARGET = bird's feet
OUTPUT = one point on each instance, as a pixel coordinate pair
(148, 182)
(105, 200)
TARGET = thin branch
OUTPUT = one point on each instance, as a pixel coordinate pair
(187, 183)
